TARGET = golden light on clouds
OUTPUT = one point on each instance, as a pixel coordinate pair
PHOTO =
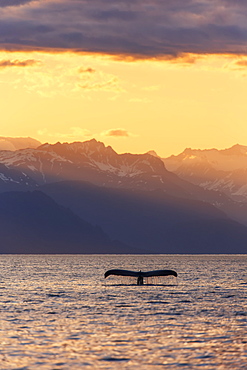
(163, 104)
(117, 132)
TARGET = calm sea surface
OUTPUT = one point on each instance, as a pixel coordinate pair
(58, 312)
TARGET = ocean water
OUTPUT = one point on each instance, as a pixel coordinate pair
(58, 312)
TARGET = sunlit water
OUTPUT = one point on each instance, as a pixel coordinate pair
(58, 312)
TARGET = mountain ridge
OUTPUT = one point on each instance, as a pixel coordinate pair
(92, 161)
(218, 170)
(151, 203)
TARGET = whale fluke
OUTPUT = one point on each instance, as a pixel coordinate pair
(160, 273)
(121, 273)
(140, 274)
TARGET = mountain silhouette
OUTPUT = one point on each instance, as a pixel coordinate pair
(31, 222)
(132, 198)
(152, 219)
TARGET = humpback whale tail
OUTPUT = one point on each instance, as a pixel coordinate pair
(140, 274)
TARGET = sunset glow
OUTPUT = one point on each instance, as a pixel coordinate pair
(62, 87)
(123, 194)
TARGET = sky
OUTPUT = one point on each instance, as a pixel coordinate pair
(138, 75)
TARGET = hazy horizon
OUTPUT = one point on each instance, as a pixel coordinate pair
(6, 144)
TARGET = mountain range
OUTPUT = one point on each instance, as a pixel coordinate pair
(212, 169)
(120, 203)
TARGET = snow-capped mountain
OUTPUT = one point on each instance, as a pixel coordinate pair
(218, 170)
(13, 179)
(133, 197)
(94, 162)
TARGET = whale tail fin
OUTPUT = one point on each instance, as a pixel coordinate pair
(160, 273)
(121, 273)
(140, 274)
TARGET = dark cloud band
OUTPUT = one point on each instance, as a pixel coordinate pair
(18, 63)
(8, 3)
(129, 28)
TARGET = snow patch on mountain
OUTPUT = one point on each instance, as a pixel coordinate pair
(3, 177)
(212, 169)
(19, 157)
(224, 160)
(242, 191)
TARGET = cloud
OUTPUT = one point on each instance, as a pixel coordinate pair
(126, 28)
(18, 63)
(118, 132)
(86, 70)
(58, 74)
(92, 80)
(111, 85)
(78, 133)
(8, 3)
(242, 63)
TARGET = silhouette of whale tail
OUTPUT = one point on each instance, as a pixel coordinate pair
(140, 274)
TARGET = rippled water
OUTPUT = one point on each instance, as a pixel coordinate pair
(58, 312)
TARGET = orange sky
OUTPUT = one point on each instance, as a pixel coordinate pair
(134, 106)
(137, 75)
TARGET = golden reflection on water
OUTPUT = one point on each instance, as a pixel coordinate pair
(58, 312)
